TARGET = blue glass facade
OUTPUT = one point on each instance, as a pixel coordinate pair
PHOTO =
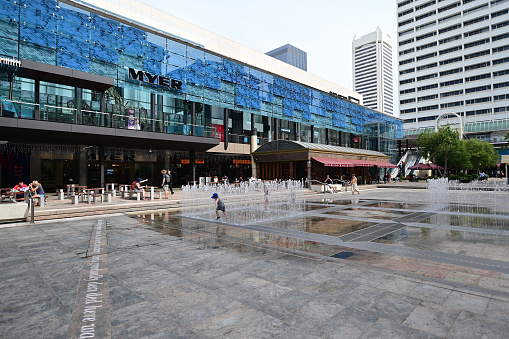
(55, 33)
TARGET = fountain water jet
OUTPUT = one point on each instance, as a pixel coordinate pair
(245, 202)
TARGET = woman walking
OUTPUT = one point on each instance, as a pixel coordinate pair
(354, 187)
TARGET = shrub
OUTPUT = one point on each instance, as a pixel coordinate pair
(462, 175)
(404, 178)
(454, 177)
(474, 176)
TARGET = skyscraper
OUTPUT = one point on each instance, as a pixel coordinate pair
(453, 58)
(372, 70)
(291, 55)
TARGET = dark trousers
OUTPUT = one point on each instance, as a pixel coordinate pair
(171, 187)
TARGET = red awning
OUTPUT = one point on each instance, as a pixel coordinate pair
(354, 163)
(335, 162)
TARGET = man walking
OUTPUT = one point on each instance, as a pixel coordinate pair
(167, 183)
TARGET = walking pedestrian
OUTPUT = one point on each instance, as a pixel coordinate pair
(354, 187)
(167, 183)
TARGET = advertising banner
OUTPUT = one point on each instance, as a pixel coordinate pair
(131, 118)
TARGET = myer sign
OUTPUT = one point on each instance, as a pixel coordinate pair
(154, 79)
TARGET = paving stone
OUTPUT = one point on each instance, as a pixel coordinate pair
(470, 325)
(432, 318)
(386, 328)
(397, 285)
(430, 293)
(349, 323)
(240, 322)
(312, 314)
(498, 309)
(467, 302)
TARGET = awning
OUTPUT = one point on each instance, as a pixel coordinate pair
(353, 163)
(335, 162)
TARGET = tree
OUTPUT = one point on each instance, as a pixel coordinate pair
(458, 157)
(482, 154)
(438, 146)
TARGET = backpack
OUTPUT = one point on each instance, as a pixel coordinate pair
(133, 185)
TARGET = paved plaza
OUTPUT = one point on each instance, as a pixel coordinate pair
(382, 264)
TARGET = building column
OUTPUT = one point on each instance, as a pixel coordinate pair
(101, 166)
(254, 146)
(309, 171)
(37, 100)
(153, 111)
(312, 129)
(226, 112)
(102, 108)
(10, 79)
(193, 118)
(167, 160)
(192, 162)
(327, 142)
(83, 168)
(77, 105)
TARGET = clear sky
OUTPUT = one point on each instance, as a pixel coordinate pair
(322, 28)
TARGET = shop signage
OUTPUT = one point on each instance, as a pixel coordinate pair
(241, 162)
(154, 79)
(197, 161)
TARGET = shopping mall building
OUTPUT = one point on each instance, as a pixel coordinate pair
(106, 91)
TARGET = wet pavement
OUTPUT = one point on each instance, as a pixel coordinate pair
(380, 265)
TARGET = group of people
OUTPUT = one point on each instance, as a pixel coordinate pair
(167, 184)
(34, 189)
(353, 185)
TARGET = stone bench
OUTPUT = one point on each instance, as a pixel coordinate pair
(13, 212)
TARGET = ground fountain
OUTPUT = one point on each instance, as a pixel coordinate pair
(469, 204)
(246, 201)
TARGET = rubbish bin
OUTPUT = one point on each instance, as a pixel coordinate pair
(201, 181)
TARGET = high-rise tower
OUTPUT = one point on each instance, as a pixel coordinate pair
(454, 58)
(291, 55)
(372, 70)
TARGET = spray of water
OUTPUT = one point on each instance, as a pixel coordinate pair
(478, 199)
(247, 201)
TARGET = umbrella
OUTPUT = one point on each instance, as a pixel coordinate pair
(419, 166)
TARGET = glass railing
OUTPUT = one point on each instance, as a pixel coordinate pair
(471, 127)
(24, 110)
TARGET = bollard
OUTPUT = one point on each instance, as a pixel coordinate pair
(74, 199)
(32, 212)
(114, 192)
(61, 194)
(160, 195)
(42, 201)
(151, 193)
(109, 197)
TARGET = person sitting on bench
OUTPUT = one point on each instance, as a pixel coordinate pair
(138, 188)
(37, 191)
(20, 189)
(330, 187)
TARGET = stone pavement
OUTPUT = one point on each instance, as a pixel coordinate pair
(128, 277)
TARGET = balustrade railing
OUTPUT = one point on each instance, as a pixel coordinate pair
(24, 110)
